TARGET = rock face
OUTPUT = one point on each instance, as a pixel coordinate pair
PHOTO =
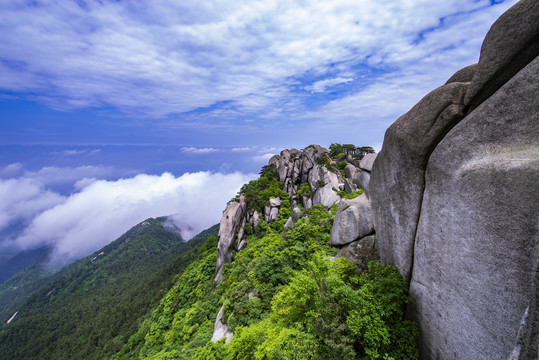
(360, 251)
(463, 75)
(511, 43)
(455, 202)
(477, 241)
(367, 162)
(220, 330)
(353, 221)
(231, 224)
(397, 180)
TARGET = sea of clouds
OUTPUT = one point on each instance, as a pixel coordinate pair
(98, 211)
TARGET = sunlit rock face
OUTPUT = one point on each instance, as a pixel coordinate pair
(454, 201)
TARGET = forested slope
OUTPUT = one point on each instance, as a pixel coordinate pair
(92, 306)
(283, 296)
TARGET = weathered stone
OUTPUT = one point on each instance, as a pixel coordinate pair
(367, 162)
(296, 173)
(239, 237)
(463, 75)
(360, 251)
(275, 202)
(349, 171)
(254, 220)
(220, 330)
(397, 178)
(361, 179)
(267, 212)
(284, 166)
(288, 223)
(228, 228)
(527, 342)
(274, 160)
(315, 178)
(477, 245)
(273, 214)
(306, 165)
(326, 196)
(341, 187)
(511, 43)
(349, 186)
(307, 202)
(353, 221)
(296, 214)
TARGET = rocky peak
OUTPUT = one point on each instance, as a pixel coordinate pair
(309, 177)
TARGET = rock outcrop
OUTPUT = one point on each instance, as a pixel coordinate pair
(353, 221)
(398, 176)
(310, 177)
(454, 201)
(362, 178)
(220, 330)
(477, 240)
(230, 235)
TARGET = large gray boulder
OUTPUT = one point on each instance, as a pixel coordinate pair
(349, 171)
(477, 248)
(353, 221)
(322, 182)
(230, 224)
(361, 179)
(397, 179)
(367, 162)
(511, 43)
(275, 202)
(326, 196)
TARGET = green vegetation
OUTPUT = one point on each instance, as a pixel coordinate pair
(352, 195)
(339, 151)
(16, 290)
(284, 299)
(94, 305)
(258, 192)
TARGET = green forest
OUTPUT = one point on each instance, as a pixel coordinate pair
(92, 306)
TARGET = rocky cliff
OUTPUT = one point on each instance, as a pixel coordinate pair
(310, 177)
(452, 200)
(454, 194)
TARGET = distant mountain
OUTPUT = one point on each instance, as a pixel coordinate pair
(92, 306)
(18, 288)
(21, 261)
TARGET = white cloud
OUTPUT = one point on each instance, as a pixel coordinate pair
(11, 170)
(241, 149)
(100, 212)
(169, 57)
(23, 199)
(53, 175)
(264, 158)
(322, 85)
(194, 150)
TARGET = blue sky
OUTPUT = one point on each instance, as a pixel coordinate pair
(92, 92)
